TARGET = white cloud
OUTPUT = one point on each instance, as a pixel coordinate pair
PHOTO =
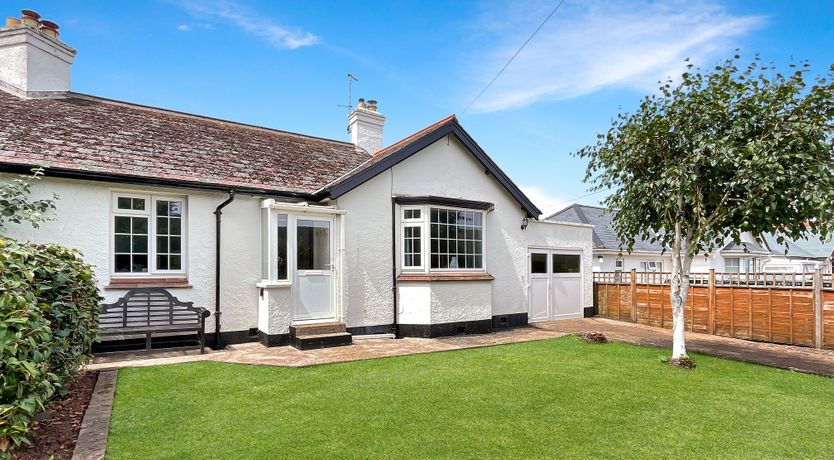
(250, 21)
(589, 46)
(544, 200)
(184, 28)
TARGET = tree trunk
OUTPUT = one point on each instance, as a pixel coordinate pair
(681, 265)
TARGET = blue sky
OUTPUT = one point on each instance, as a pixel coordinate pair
(284, 65)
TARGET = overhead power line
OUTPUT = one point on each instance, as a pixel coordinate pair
(552, 12)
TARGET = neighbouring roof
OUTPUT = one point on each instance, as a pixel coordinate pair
(80, 135)
(811, 248)
(743, 248)
(604, 235)
(399, 151)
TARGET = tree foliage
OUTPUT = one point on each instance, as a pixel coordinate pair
(15, 205)
(49, 307)
(723, 152)
(727, 151)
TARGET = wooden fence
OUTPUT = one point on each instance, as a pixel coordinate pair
(790, 308)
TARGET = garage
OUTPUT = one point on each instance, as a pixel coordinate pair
(555, 284)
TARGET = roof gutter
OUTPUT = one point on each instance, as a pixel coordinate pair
(218, 213)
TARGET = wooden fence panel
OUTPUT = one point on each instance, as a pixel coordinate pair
(772, 308)
(828, 319)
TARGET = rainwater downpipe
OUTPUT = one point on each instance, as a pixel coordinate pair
(394, 253)
(218, 213)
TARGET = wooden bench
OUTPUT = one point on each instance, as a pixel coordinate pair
(152, 310)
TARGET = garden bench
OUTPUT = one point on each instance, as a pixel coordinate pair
(152, 310)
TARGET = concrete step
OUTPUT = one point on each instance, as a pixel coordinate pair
(302, 330)
(310, 342)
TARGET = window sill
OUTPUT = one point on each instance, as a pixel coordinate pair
(150, 281)
(446, 276)
(273, 284)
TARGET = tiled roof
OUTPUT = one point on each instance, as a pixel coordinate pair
(812, 248)
(604, 235)
(94, 135)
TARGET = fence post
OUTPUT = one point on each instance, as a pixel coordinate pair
(633, 295)
(817, 308)
(711, 301)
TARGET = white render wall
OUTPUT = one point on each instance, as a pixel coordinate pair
(630, 261)
(368, 293)
(83, 222)
(444, 169)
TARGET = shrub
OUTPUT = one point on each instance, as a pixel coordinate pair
(49, 307)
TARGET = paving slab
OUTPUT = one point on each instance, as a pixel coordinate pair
(802, 359)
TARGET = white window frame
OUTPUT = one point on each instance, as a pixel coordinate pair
(651, 266)
(294, 213)
(739, 264)
(425, 222)
(420, 223)
(150, 213)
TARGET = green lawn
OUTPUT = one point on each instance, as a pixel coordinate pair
(546, 399)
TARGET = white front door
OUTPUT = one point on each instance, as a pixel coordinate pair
(555, 289)
(314, 269)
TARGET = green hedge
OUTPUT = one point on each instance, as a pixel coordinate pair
(49, 307)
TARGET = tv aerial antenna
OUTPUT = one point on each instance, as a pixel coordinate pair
(349, 106)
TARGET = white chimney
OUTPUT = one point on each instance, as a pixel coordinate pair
(365, 125)
(33, 62)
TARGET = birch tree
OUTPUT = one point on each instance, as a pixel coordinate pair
(732, 149)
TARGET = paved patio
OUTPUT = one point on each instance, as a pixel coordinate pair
(800, 359)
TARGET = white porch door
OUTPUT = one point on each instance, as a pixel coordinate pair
(555, 289)
(314, 269)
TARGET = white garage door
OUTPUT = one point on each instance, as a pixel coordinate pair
(555, 289)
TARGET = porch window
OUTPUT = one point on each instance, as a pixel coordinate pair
(148, 234)
(274, 246)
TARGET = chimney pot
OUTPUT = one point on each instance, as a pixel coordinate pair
(372, 105)
(49, 28)
(11, 22)
(361, 103)
(30, 18)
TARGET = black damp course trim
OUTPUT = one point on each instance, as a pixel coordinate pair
(273, 340)
(403, 200)
(122, 179)
(589, 312)
(454, 128)
(430, 331)
(230, 338)
(372, 330)
(509, 320)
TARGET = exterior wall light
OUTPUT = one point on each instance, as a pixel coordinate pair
(599, 259)
(524, 223)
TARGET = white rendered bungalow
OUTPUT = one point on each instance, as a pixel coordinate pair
(269, 229)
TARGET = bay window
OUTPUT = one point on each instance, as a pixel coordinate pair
(454, 239)
(147, 235)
